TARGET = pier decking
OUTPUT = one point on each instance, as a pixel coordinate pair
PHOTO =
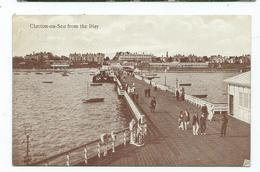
(170, 146)
(165, 144)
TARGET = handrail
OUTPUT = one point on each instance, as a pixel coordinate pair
(46, 160)
(192, 99)
(133, 107)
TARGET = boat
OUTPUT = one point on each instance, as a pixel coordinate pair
(92, 73)
(96, 84)
(186, 84)
(47, 82)
(93, 100)
(104, 76)
(201, 95)
(64, 74)
(38, 73)
(151, 75)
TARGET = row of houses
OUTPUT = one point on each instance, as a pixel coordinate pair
(47, 59)
(88, 57)
(146, 58)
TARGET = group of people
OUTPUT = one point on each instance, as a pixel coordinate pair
(180, 94)
(184, 120)
(132, 92)
(138, 130)
(199, 123)
(147, 92)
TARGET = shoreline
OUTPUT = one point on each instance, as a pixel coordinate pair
(45, 70)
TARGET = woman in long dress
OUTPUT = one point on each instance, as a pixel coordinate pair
(210, 112)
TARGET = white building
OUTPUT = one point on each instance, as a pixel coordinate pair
(135, 57)
(239, 96)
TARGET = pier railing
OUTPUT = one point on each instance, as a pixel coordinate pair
(217, 107)
(84, 153)
(135, 111)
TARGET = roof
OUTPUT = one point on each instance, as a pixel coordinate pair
(243, 79)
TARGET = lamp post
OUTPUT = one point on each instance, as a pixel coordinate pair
(165, 79)
(27, 132)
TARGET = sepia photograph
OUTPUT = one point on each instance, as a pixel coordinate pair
(131, 90)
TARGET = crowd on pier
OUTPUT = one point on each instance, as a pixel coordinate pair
(199, 122)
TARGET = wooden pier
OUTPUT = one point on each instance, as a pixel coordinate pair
(165, 144)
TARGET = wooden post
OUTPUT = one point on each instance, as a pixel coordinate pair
(98, 150)
(68, 160)
(105, 150)
(86, 155)
(113, 146)
(124, 139)
(113, 140)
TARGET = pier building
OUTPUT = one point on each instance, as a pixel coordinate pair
(239, 96)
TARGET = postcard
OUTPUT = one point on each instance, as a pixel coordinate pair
(139, 90)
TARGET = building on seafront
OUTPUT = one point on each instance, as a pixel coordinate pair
(239, 96)
(88, 57)
(133, 57)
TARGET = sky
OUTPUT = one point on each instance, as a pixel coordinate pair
(194, 34)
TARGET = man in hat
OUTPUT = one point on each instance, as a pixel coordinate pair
(224, 126)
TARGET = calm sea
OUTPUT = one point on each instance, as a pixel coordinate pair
(211, 84)
(56, 114)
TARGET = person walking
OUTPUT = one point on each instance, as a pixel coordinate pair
(204, 110)
(187, 114)
(210, 112)
(195, 124)
(177, 94)
(224, 126)
(202, 125)
(148, 91)
(184, 120)
(182, 94)
(181, 121)
(153, 104)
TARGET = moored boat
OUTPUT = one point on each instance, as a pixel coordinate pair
(185, 84)
(201, 95)
(93, 100)
(96, 84)
(47, 82)
(64, 74)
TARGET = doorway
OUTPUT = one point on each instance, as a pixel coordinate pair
(231, 105)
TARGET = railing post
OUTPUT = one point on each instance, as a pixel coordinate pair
(98, 150)
(113, 146)
(105, 150)
(113, 139)
(68, 160)
(124, 138)
(86, 155)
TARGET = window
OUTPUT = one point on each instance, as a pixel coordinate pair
(249, 100)
(240, 99)
(246, 98)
